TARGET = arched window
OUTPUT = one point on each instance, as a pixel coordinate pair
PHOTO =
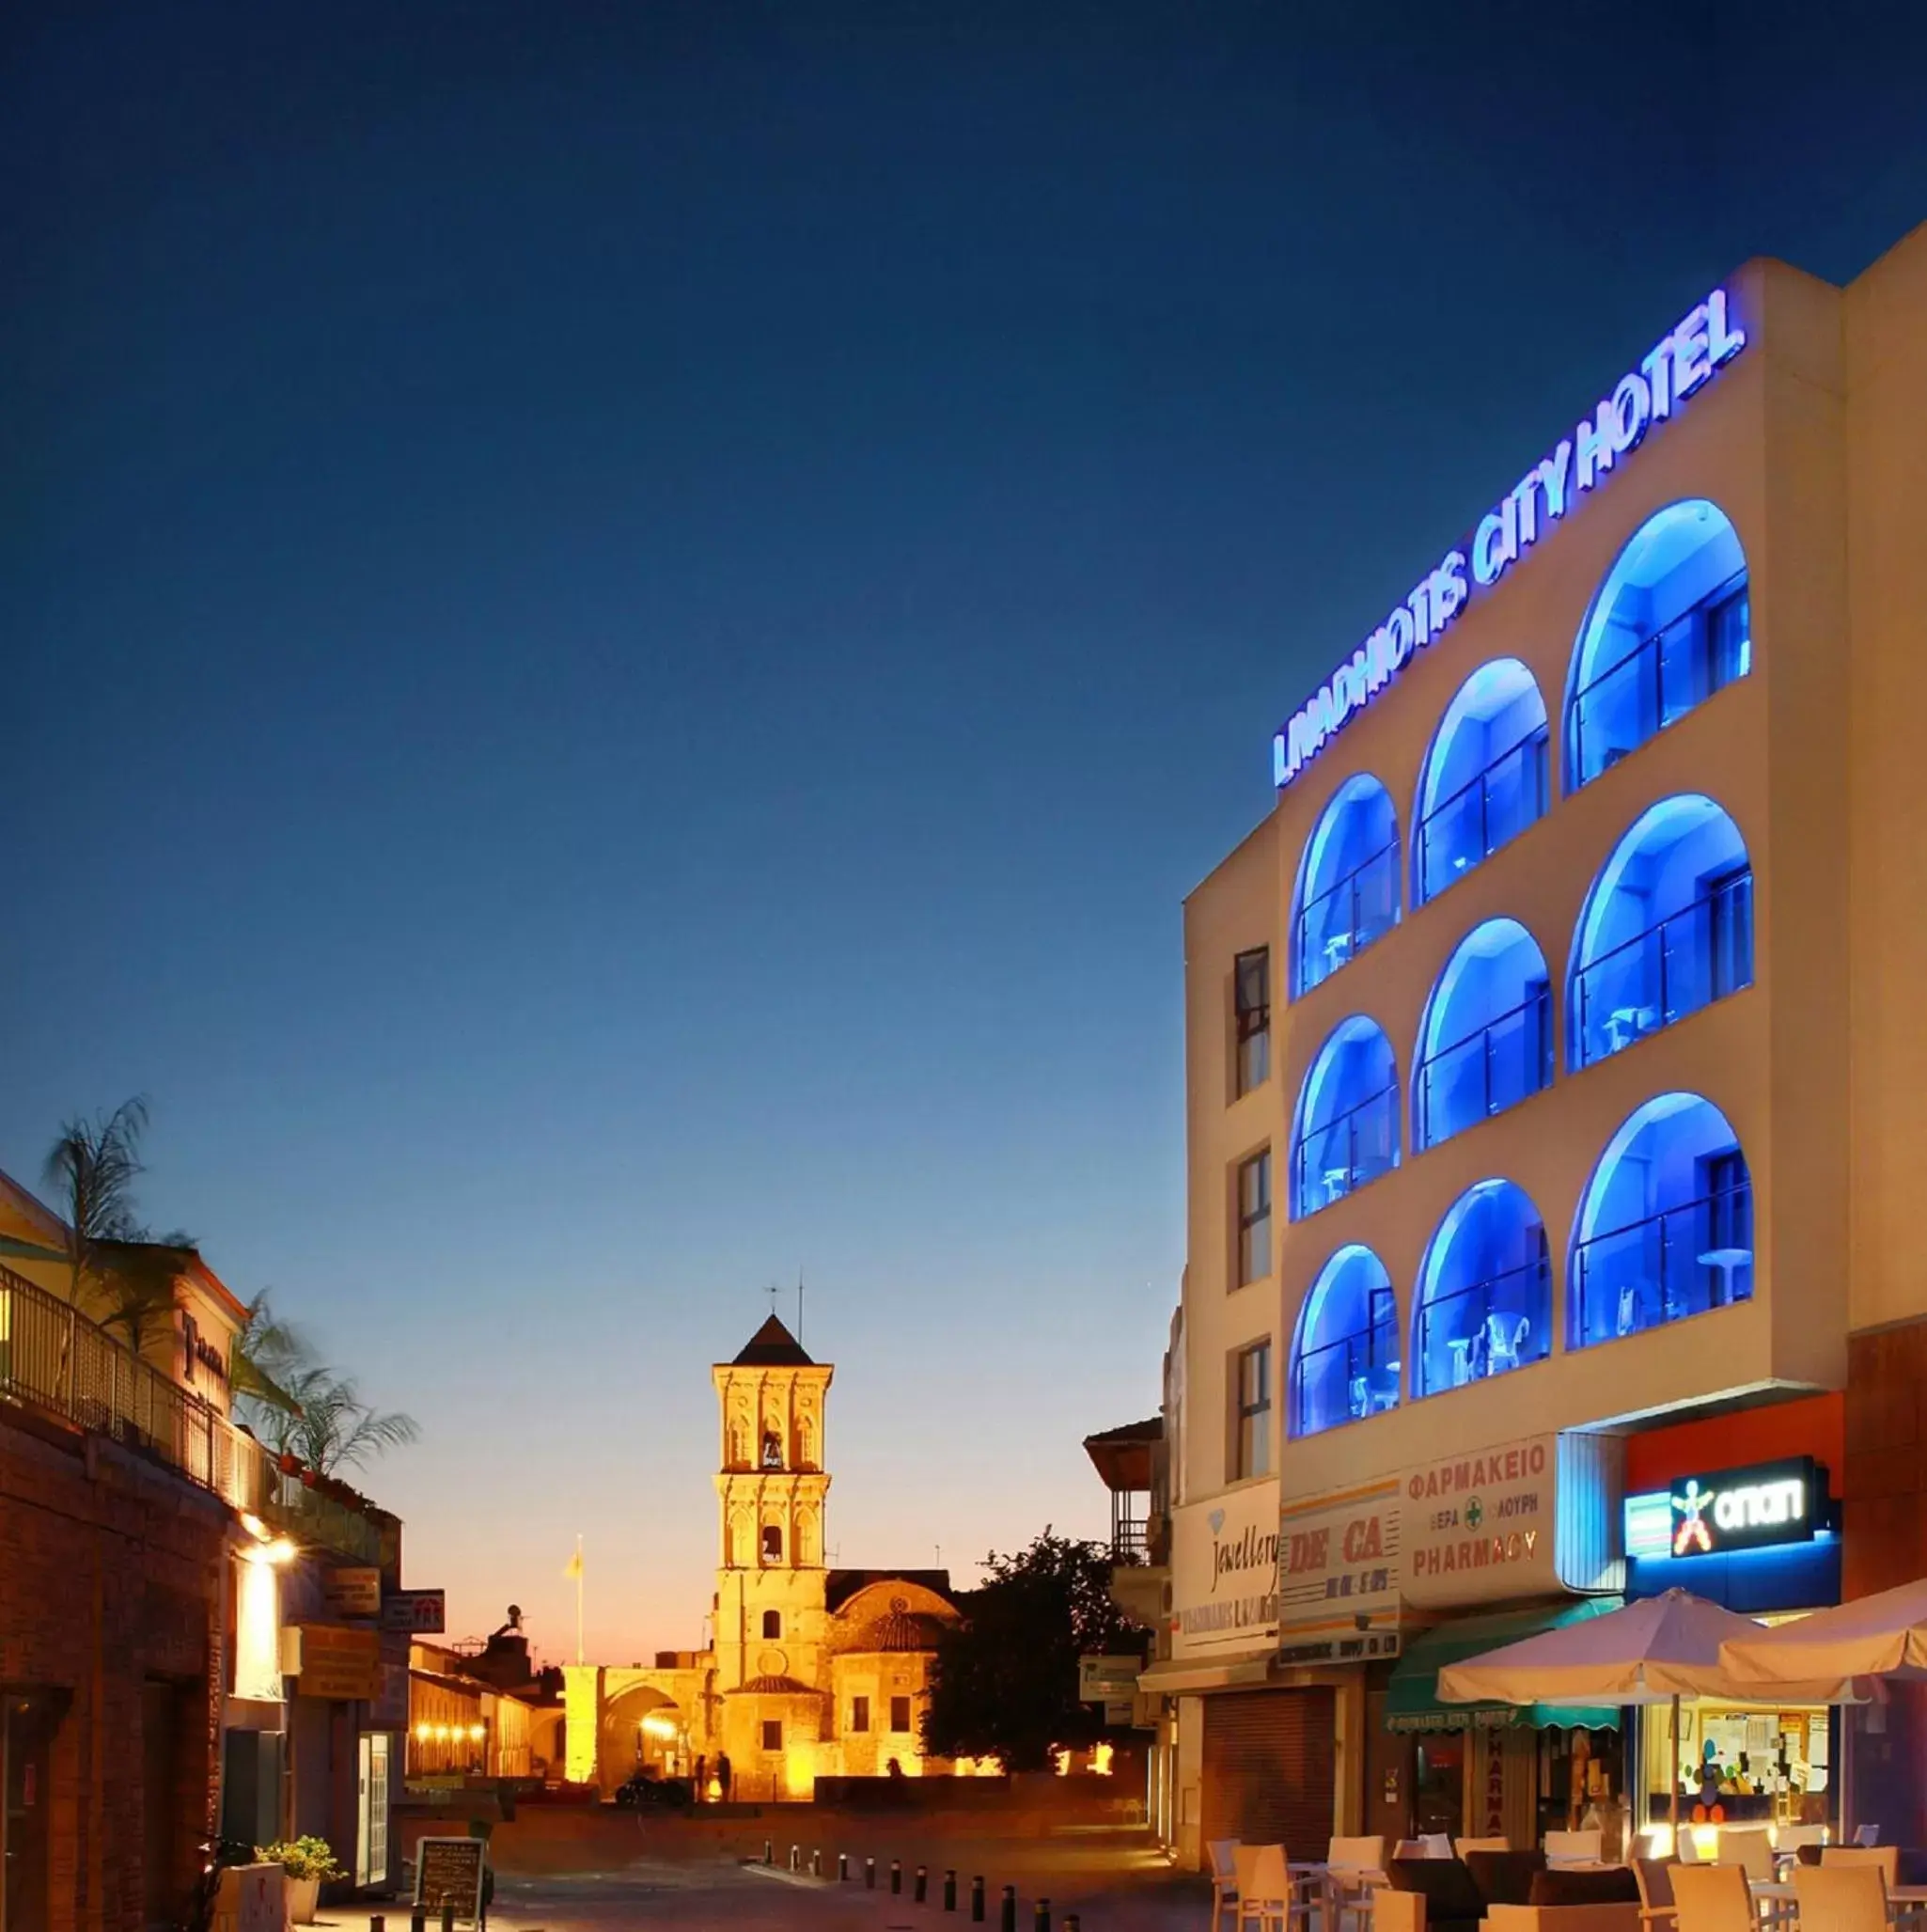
(1348, 882)
(1667, 929)
(1485, 776)
(773, 1623)
(1664, 1229)
(1486, 1039)
(1671, 624)
(1345, 1354)
(1347, 1127)
(772, 1543)
(1485, 1299)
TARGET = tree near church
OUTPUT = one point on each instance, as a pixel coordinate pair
(1004, 1682)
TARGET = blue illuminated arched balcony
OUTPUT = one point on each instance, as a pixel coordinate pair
(1486, 1039)
(1485, 776)
(1485, 1300)
(1345, 1354)
(1670, 627)
(1667, 929)
(1346, 1130)
(1348, 882)
(1666, 1228)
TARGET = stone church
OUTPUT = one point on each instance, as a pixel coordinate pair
(810, 1672)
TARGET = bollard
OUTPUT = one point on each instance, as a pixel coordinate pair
(377, 1922)
(448, 1917)
(869, 1874)
(951, 1890)
(922, 1891)
(769, 1850)
(1040, 1916)
(896, 1878)
(796, 1857)
(418, 1920)
(843, 1868)
(816, 1865)
(1007, 1911)
(1073, 1923)
(977, 1900)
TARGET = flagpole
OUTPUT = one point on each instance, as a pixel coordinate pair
(578, 1596)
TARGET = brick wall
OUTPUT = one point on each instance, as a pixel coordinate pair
(113, 1595)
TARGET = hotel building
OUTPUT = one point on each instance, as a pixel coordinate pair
(1556, 1073)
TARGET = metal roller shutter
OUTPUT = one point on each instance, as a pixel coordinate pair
(1269, 1769)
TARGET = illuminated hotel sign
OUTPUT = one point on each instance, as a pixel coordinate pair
(1703, 342)
(1753, 1508)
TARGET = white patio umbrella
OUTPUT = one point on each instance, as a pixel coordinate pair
(1883, 1636)
(1651, 1652)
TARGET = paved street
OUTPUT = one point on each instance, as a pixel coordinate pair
(559, 1871)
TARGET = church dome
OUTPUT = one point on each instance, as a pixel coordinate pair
(899, 1628)
(783, 1686)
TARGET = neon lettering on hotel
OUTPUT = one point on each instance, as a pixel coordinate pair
(1704, 340)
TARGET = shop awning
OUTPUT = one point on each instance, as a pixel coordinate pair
(1174, 1674)
(1413, 1703)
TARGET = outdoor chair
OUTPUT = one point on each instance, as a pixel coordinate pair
(1466, 1844)
(1265, 1899)
(1867, 1835)
(1572, 1847)
(1841, 1898)
(1793, 1836)
(1749, 1848)
(1654, 1877)
(1452, 1900)
(1713, 1898)
(1885, 1857)
(1224, 1879)
(1347, 1889)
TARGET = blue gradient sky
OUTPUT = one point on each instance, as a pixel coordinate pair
(626, 626)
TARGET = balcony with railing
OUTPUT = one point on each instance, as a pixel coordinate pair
(56, 1363)
(1490, 809)
(1345, 1355)
(1686, 1260)
(1341, 1155)
(1348, 916)
(1489, 1070)
(1697, 954)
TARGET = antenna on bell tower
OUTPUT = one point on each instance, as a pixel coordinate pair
(799, 1307)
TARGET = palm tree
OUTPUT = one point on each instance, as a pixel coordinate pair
(268, 1354)
(92, 1168)
(330, 1424)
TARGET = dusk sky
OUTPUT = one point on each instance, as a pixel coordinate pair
(626, 626)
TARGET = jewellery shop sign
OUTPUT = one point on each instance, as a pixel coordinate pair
(1469, 1529)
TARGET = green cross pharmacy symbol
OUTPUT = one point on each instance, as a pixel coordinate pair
(1475, 1514)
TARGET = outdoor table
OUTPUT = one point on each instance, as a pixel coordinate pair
(1726, 1260)
(1904, 1902)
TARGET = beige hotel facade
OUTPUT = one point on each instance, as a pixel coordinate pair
(1556, 1096)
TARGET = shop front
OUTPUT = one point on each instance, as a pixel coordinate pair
(1740, 1510)
(1401, 1575)
(1255, 1745)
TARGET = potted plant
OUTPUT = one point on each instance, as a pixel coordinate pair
(308, 1862)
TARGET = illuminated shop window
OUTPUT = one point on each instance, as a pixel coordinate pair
(1347, 1127)
(1484, 1301)
(1486, 1039)
(1667, 929)
(1348, 882)
(1666, 1228)
(1485, 776)
(1670, 625)
(1345, 1354)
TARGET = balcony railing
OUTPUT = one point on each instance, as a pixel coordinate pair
(1484, 1328)
(1487, 1071)
(1346, 1380)
(1685, 961)
(1340, 1157)
(1490, 808)
(1661, 679)
(1347, 917)
(1682, 1262)
(54, 1360)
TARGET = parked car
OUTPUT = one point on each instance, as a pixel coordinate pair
(645, 1790)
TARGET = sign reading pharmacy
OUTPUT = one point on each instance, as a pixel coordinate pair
(1704, 340)
(1480, 1528)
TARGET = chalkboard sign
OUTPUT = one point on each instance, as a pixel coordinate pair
(449, 1871)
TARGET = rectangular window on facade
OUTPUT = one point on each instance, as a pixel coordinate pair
(773, 1734)
(859, 1714)
(1254, 1219)
(1251, 1451)
(1251, 998)
(900, 1714)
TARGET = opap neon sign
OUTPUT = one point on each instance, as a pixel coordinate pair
(1704, 340)
(1732, 1509)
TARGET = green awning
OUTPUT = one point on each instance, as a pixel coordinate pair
(1413, 1703)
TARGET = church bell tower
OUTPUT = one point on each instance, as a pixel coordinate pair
(771, 1489)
